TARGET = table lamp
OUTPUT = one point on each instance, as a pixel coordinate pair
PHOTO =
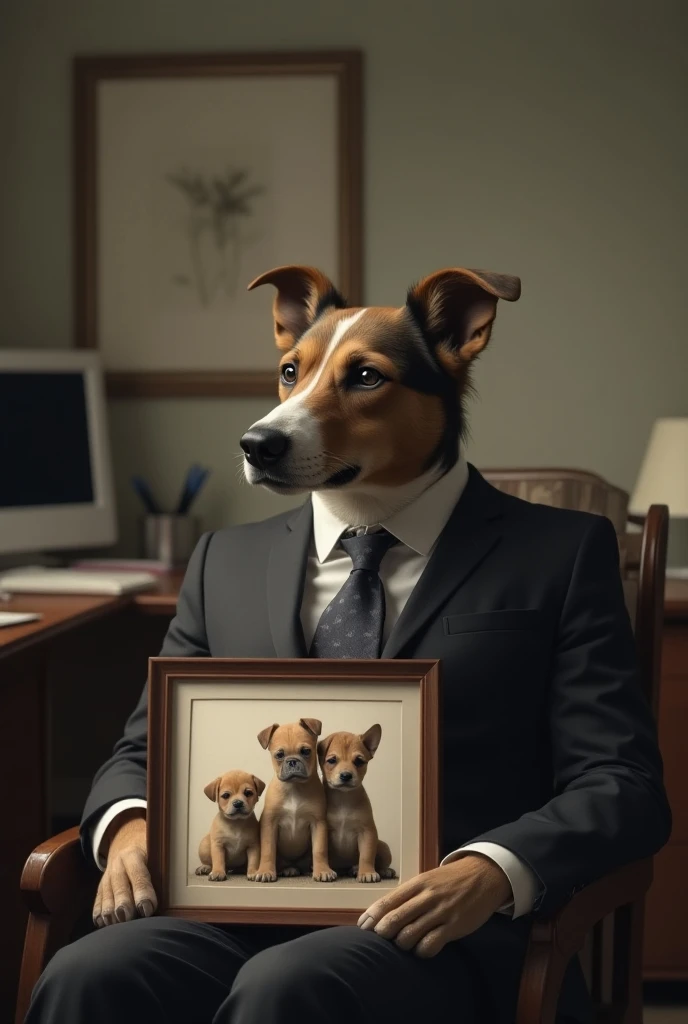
(663, 476)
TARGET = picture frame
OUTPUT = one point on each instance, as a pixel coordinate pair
(204, 712)
(192, 175)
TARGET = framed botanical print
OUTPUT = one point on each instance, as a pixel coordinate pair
(193, 174)
(292, 791)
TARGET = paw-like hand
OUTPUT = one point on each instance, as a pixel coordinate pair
(388, 873)
(125, 890)
(217, 876)
(264, 875)
(325, 874)
(368, 876)
(203, 869)
(290, 872)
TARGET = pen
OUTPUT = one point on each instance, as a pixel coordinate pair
(144, 493)
(195, 479)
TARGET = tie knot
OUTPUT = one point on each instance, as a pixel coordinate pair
(367, 550)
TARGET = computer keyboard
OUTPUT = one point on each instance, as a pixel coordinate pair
(74, 581)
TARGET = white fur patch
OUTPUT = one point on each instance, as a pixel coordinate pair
(294, 418)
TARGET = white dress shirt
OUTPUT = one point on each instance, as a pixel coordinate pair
(416, 527)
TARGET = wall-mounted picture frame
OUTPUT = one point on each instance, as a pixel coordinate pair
(254, 764)
(193, 174)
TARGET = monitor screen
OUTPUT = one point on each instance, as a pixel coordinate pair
(45, 457)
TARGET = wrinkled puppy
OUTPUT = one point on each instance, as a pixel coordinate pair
(352, 836)
(234, 840)
(293, 825)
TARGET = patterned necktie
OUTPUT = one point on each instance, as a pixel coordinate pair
(351, 625)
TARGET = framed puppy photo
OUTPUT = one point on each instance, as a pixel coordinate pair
(290, 791)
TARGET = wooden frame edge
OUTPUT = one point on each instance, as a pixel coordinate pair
(162, 672)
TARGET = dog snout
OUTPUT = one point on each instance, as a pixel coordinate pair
(264, 446)
(238, 804)
(293, 763)
(346, 776)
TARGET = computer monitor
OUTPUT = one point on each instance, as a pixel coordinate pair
(56, 489)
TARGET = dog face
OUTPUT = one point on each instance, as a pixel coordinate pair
(370, 398)
(236, 793)
(344, 757)
(293, 748)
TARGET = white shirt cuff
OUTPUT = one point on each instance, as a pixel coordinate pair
(525, 886)
(98, 830)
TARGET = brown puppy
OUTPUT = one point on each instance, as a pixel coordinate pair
(352, 835)
(233, 841)
(293, 825)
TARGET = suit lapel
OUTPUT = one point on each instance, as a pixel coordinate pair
(286, 577)
(472, 531)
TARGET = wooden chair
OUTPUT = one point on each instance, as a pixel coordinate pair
(59, 886)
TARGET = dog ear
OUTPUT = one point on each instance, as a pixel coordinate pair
(211, 790)
(455, 309)
(371, 738)
(324, 746)
(265, 735)
(259, 784)
(312, 724)
(303, 294)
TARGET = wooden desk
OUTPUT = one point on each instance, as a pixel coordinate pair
(55, 696)
(59, 654)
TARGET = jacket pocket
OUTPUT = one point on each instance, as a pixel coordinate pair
(506, 620)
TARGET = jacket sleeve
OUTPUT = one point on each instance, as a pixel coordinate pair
(123, 776)
(609, 805)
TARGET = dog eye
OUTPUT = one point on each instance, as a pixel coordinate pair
(279, 755)
(358, 761)
(368, 377)
(332, 760)
(305, 752)
(248, 792)
(225, 796)
(288, 374)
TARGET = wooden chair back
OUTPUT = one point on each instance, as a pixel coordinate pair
(612, 957)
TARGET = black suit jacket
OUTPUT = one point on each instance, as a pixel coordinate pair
(549, 746)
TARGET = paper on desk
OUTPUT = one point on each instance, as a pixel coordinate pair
(18, 618)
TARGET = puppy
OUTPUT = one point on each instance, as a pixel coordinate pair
(293, 825)
(234, 840)
(352, 836)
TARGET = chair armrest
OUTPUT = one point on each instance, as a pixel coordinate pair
(554, 940)
(56, 877)
(568, 928)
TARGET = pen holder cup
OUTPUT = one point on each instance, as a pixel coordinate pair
(168, 538)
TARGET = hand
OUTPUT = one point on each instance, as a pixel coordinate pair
(439, 906)
(125, 890)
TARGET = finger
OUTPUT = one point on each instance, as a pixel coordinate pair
(121, 891)
(376, 911)
(107, 908)
(411, 934)
(393, 921)
(97, 906)
(143, 892)
(433, 943)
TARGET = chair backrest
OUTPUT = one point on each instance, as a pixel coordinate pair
(564, 488)
(615, 985)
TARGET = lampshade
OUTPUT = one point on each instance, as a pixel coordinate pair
(663, 476)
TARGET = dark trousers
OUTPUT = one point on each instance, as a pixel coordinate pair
(166, 971)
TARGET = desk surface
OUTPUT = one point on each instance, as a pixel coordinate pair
(64, 612)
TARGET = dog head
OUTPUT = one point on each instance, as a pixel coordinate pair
(236, 793)
(372, 398)
(293, 748)
(344, 757)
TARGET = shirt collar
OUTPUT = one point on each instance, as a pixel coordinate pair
(417, 525)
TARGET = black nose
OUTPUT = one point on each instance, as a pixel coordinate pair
(346, 776)
(264, 447)
(293, 764)
(237, 803)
